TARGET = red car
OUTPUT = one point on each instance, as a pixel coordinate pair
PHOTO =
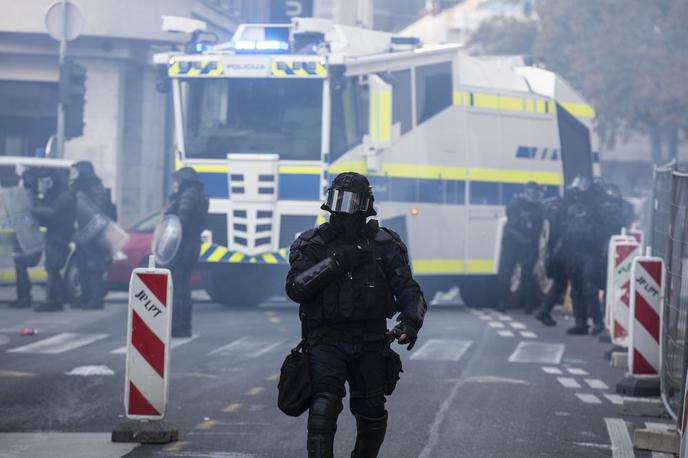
(135, 254)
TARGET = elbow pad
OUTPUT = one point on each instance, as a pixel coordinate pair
(308, 283)
(414, 310)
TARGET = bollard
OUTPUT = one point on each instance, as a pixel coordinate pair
(646, 293)
(624, 253)
(147, 370)
(609, 297)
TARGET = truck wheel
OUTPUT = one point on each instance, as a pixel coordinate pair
(72, 284)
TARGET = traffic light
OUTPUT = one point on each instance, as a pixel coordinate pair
(72, 94)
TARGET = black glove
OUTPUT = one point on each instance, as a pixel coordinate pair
(406, 327)
(352, 256)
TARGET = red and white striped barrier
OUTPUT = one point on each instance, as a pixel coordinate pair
(647, 274)
(624, 252)
(637, 234)
(611, 272)
(148, 343)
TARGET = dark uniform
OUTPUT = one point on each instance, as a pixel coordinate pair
(349, 276)
(520, 243)
(555, 264)
(93, 258)
(584, 242)
(55, 210)
(22, 261)
(190, 204)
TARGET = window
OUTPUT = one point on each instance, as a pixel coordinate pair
(349, 115)
(401, 98)
(433, 89)
(252, 115)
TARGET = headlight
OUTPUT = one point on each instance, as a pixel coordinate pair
(120, 256)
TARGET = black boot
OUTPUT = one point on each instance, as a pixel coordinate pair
(545, 318)
(578, 330)
(371, 433)
(322, 424)
(49, 307)
(597, 329)
(21, 304)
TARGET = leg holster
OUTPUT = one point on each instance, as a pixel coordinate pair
(369, 437)
(322, 424)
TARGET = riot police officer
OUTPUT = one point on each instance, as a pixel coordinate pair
(190, 204)
(55, 210)
(92, 256)
(584, 245)
(525, 216)
(23, 261)
(349, 276)
(555, 263)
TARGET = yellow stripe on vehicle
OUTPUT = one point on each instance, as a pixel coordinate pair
(486, 101)
(204, 248)
(579, 110)
(515, 176)
(481, 266)
(217, 254)
(173, 70)
(236, 257)
(510, 103)
(270, 258)
(437, 266)
(385, 115)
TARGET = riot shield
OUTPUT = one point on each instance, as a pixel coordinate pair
(166, 239)
(15, 215)
(95, 227)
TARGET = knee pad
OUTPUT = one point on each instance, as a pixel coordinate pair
(368, 407)
(323, 413)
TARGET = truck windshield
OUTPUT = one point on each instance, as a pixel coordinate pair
(252, 115)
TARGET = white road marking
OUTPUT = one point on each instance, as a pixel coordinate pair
(434, 433)
(87, 371)
(442, 350)
(517, 325)
(247, 346)
(614, 398)
(485, 317)
(176, 342)
(551, 370)
(576, 371)
(588, 398)
(568, 382)
(59, 343)
(504, 317)
(528, 334)
(537, 352)
(505, 333)
(496, 324)
(596, 384)
(622, 447)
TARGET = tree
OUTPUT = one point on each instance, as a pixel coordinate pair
(629, 58)
(503, 36)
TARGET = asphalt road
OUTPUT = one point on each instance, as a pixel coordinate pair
(478, 384)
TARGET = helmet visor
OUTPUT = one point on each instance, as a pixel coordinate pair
(342, 201)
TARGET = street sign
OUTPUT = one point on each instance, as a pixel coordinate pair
(647, 287)
(64, 21)
(148, 344)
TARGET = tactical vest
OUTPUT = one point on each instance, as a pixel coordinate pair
(361, 295)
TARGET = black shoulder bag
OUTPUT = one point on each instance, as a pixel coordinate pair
(294, 387)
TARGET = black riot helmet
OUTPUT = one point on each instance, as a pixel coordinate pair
(81, 171)
(351, 193)
(184, 177)
(532, 192)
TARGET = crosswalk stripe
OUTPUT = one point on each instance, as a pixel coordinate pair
(504, 318)
(505, 333)
(517, 325)
(59, 343)
(568, 382)
(588, 398)
(614, 398)
(551, 370)
(442, 350)
(622, 447)
(528, 334)
(576, 371)
(537, 352)
(496, 324)
(247, 346)
(596, 384)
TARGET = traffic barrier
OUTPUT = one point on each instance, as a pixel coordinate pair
(611, 272)
(637, 234)
(646, 294)
(146, 381)
(624, 252)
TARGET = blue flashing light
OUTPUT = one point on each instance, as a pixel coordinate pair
(261, 46)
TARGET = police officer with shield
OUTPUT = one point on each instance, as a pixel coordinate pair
(55, 209)
(188, 209)
(349, 276)
(93, 257)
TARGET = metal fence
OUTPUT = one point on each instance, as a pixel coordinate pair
(670, 241)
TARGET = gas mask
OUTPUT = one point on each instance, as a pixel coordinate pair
(45, 184)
